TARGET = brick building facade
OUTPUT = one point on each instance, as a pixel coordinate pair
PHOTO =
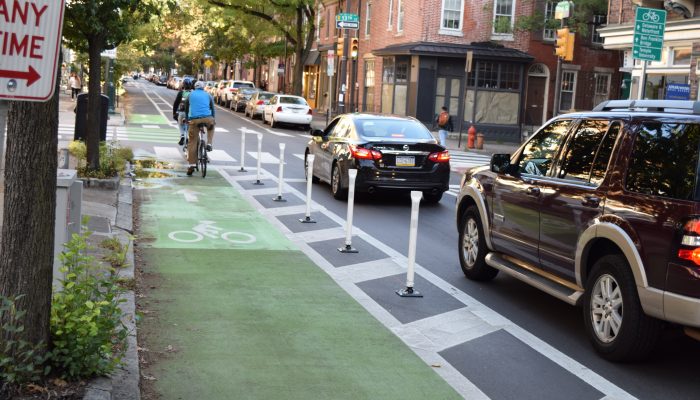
(413, 55)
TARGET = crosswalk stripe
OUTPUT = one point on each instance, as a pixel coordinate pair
(168, 153)
(220, 155)
(222, 130)
(151, 126)
(299, 156)
(265, 157)
(278, 133)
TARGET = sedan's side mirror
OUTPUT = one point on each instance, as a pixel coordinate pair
(317, 132)
(500, 163)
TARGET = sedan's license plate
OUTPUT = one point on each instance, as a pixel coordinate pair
(405, 161)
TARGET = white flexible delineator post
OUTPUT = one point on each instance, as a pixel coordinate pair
(409, 291)
(260, 137)
(243, 131)
(352, 175)
(281, 174)
(309, 178)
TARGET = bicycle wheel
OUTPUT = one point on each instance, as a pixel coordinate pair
(202, 158)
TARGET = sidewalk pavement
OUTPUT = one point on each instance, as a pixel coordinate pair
(110, 213)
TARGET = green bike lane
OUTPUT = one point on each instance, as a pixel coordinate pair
(244, 314)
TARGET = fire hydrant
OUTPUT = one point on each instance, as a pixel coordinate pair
(471, 136)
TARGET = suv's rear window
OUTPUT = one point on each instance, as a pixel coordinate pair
(664, 161)
(243, 85)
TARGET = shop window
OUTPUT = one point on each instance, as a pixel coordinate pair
(599, 21)
(387, 85)
(503, 17)
(568, 90)
(509, 77)
(548, 33)
(452, 14)
(401, 74)
(488, 74)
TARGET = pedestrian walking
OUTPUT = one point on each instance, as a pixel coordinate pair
(444, 123)
(75, 85)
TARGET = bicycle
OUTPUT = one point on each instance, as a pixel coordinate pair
(651, 16)
(202, 157)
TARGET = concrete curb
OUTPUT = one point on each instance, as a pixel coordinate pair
(123, 384)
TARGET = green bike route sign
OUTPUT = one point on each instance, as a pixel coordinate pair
(649, 25)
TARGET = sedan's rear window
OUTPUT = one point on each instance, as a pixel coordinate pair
(265, 96)
(292, 100)
(243, 85)
(383, 129)
(664, 161)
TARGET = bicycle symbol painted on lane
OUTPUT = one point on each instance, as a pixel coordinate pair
(207, 229)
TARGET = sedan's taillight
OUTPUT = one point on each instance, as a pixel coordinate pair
(360, 153)
(441, 157)
(691, 238)
(260, 102)
(279, 109)
(310, 112)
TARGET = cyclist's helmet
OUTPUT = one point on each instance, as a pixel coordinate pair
(199, 85)
(187, 84)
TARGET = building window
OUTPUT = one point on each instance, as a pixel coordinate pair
(503, 17)
(549, 33)
(568, 90)
(399, 19)
(509, 77)
(401, 74)
(602, 88)
(598, 22)
(681, 56)
(387, 85)
(452, 14)
(391, 15)
(368, 104)
(328, 23)
(488, 75)
(368, 17)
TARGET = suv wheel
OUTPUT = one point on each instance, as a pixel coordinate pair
(614, 318)
(432, 198)
(472, 248)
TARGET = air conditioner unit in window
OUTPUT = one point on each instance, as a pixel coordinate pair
(686, 8)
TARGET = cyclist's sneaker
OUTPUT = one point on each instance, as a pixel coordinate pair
(209, 147)
(182, 141)
(190, 171)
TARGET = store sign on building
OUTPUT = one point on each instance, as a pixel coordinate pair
(649, 25)
(30, 34)
(677, 91)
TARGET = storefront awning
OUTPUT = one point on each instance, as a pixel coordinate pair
(312, 58)
(483, 50)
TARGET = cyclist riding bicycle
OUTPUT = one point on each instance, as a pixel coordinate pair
(179, 107)
(199, 108)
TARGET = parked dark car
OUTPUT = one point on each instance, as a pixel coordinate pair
(599, 209)
(389, 153)
(240, 99)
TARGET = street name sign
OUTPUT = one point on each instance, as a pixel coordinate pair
(347, 21)
(649, 25)
(30, 40)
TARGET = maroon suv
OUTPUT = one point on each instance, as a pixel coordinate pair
(599, 209)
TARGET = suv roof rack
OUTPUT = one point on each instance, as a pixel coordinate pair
(676, 106)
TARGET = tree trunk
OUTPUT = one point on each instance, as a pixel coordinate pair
(92, 140)
(26, 252)
(299, 55)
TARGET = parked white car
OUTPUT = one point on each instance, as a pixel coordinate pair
(288, 109)
(256, 105)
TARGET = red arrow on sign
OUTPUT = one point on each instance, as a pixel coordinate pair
(31, 75)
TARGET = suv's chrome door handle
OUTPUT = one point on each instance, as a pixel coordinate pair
(533, 191)
(590, 201)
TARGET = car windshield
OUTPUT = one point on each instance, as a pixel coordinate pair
(387, 129)
(292, 100)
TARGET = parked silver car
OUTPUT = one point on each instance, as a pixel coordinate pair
(255, 106)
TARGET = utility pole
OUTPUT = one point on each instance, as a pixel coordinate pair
(343, 66)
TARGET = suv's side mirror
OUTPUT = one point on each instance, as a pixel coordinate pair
(500, 163)
(317, 132)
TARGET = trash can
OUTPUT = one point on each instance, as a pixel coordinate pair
(81, 117)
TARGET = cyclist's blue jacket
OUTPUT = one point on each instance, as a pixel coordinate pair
(199, 105)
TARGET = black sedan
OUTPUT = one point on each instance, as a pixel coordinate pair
(389, 153)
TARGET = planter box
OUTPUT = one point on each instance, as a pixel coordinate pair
(111, 183)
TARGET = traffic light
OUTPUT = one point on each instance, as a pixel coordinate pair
(565, 44)
(354, 48)
(339, 47)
